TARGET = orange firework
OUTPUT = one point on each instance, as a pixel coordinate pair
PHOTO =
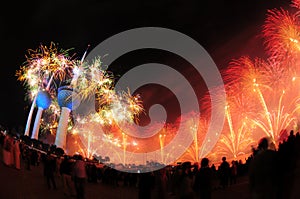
(295, 4)
(195, 151)
(281, 33)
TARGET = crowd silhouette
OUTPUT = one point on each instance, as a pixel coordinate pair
(272, 173)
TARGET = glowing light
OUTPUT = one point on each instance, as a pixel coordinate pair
(43, 65)
(90, 79)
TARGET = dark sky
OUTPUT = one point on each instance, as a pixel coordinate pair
(225, 28)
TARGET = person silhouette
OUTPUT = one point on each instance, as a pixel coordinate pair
(224, 173)
(203, 180)
(49, 170)
(264, 171)
(80, 176)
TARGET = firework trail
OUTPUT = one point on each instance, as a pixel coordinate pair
(238, 138)
(269, 90)
(237, 134)
(196, 150)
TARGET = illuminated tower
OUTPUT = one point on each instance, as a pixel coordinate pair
(43, 101)
(67, 103)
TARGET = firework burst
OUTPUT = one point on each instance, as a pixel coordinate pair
(262, 92)
(295, 4)
(281, 33)
(43, 65)
(90, 79)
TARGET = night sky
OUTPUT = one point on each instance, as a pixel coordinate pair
(227, 29)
